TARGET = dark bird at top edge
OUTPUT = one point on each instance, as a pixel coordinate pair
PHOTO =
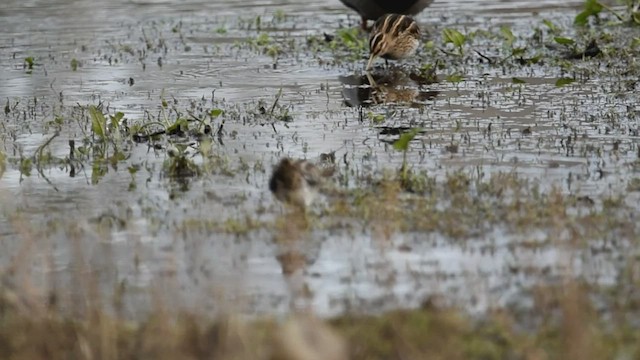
(373, 9)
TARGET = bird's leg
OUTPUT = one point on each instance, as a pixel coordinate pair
(363, 24)
(386, 63)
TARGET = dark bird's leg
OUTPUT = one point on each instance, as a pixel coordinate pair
(386, 63)
(363, 24)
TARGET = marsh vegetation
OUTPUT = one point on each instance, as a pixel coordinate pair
(484, 202)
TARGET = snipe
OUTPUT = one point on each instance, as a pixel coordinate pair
(393, 37)
(295, 182)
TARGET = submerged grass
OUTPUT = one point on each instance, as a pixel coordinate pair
(463, 206)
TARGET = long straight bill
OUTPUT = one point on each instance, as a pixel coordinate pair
(371, 58)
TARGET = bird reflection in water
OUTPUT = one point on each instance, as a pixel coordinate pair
(393, 86)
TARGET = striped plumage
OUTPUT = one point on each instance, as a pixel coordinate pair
(373, 9)
(393, 37)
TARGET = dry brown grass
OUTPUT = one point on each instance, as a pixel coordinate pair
(427, 333)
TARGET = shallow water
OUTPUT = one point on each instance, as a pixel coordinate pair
(133, 54)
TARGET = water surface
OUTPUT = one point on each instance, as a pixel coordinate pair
(132, 55)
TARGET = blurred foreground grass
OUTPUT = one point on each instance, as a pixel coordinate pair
(568, 318)
(431, 332)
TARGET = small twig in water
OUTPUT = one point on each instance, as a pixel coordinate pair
(275, 102)
(484, 56)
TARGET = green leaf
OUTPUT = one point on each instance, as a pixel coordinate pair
(507, 34)
(98, 122)
(25, 166)
(635, 42)
(180, 125)
(581, 19)
(351, 39)
(29, 61)
(550, 25)
(635, 16)
(591, 8)
(402, 144)
(98, 170)
(74, 64)
(215, 113)
(455, 78)
(115, 119)
(534, 60)
(347, 36)
(376, 118)
(564, 40)
(263, 39)
(515, 80)
(564, 81)
(453, 36)
(518, 51)
(273, 51)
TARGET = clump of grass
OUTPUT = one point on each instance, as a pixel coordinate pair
(346, 45)
(28, 64)
(402, 144)
(179, 165)
(271, 112)
(105, 146)
(74, 63)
